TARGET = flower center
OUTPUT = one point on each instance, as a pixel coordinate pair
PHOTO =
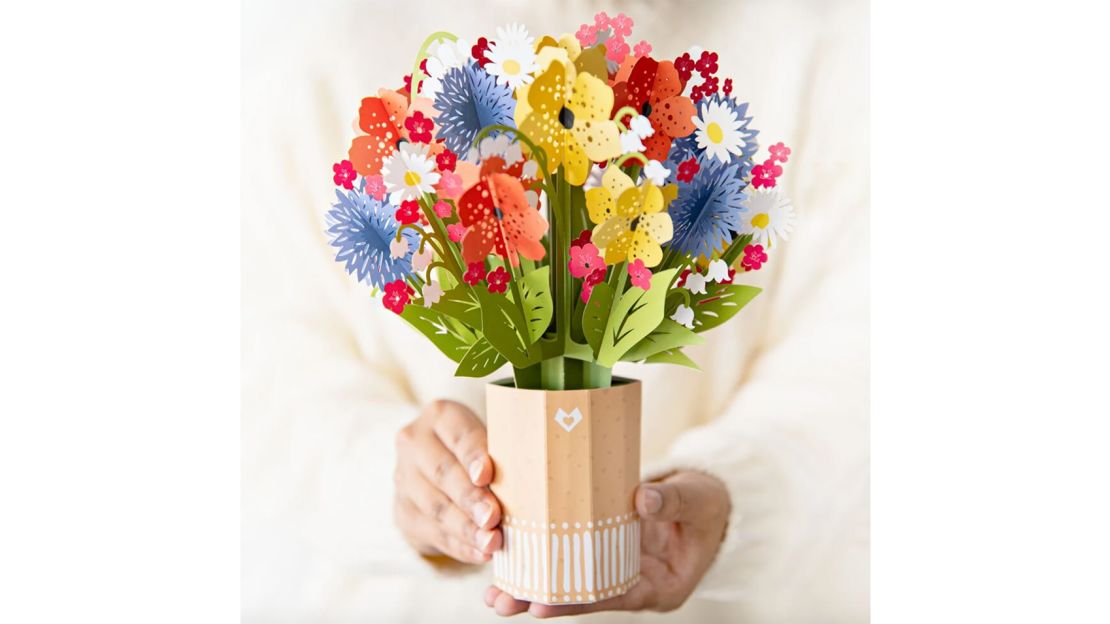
(632, 226)
(566, 117)
(412, 178)
(713, 130)
(761, 220)
(511, 67)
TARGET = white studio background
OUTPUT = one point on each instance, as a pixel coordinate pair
(119, 336)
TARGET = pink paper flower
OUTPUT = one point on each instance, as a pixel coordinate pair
(409, 212)
(443, 209)
(617, 49)
(419, 127)
(450, 185)
(779, 152)
(397, 295)
(375, 187)
(754, 257)
(622, 25)
(584, 260)
(586, 35)
(687, 169)
(639, 274)
(593, 279)
(763, 176)
(497, 280)
(642, 49)
(601, 20)
(475, 271)
(344, 174)
(455, 232)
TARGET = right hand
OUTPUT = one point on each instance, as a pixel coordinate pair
(442, 502)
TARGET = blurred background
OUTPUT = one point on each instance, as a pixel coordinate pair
(780, 407)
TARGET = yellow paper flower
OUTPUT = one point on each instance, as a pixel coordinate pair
(566, 113)
(630, 218)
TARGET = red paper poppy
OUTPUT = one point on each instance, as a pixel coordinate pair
(655, 89)
(500, 220)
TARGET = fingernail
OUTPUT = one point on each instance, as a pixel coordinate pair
(483, 539)
(475, 471)
(481, 512)
(653, 500)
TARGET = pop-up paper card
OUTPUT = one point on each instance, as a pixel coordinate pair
(560, 204)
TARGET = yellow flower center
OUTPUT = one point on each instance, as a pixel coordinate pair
(511, 67)
(761, 220)
(412, 178)
(713, 130)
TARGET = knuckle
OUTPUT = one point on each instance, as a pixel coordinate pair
(437, 408)
(442, 467)
(439, 509)
(404, 436)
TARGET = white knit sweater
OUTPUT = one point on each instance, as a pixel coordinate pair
(779, 410)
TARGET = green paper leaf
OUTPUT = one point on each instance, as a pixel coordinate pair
(721, 303)
(453, 341)
(669, 335)
(672, 356)
(634, 316)
(504, 327)
(596, 315)
(481, 360)
(460, 303)
(538, 308)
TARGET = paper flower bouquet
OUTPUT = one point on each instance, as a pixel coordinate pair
(560, 204)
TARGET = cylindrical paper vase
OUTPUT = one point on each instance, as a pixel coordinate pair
(566, 466)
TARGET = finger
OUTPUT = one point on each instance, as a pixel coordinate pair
(465, 437)
(447, 517)
(441, 468)
(426, 530)
(505, 605)
(617, 603)
(491, 595)
(682, 497)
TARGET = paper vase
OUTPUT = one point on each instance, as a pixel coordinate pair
(566, 466)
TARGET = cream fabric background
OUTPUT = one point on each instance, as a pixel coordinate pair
(780, 411)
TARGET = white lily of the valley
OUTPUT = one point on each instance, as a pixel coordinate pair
(683, 316)
(630, 142)
(421, 259)
(695, 283)
(432, 291)
(656, 172)
(398, 248)
(641, 126)
(718, 271)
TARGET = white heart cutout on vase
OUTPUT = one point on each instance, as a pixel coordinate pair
(568, 421)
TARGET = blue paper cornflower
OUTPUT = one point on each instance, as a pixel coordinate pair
(362, 228)
(707, 209)
(469, 100)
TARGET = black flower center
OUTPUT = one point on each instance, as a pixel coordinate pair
(647, 109)
(566, 117)
(632, 226)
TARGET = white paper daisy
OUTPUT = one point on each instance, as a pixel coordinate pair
(718, 131)
(409, 173)
(511, 57)
(769, 217)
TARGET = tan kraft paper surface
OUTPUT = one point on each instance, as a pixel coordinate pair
(566, 466)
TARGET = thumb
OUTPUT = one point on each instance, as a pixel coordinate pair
(685, 497)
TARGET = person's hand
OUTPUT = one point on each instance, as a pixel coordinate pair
(442, 503)
(683, 520)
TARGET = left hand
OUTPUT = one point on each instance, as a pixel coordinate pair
(683, 520)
